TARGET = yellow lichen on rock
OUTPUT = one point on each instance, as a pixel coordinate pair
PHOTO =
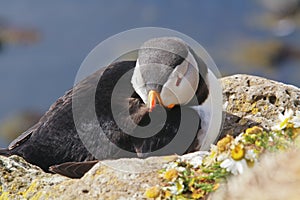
(5, 196)
(31, 190)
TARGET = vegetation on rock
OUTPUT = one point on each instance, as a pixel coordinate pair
(231, 156)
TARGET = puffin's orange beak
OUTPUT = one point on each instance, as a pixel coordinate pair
(152, 97)
(171, 106)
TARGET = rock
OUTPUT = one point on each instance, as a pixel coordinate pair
(251, 100)
(126, 178)
(20, 180)
(248, 101)
(119, 179)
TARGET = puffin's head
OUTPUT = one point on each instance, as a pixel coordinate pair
(166, 72)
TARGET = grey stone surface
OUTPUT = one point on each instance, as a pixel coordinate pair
(251, 100)
(20, 180)
(113, 180)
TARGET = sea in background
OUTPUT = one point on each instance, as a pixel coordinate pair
(33, 75)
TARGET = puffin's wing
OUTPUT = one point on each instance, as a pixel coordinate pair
(23, 137)
(18, 141)
(73, 169)
(4, 152)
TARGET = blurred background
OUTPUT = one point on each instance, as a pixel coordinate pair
(42, 44)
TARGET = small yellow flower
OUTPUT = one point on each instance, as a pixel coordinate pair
(290, 125)
(211, 158)
(234, 166)
(167, 194)
(223, 143)
(152, 192)
(250, 163)
(251, 157)
(179, 186)
(216, 186)
(197, 194)
(296, 132)
(171, 174)
(284, 120)
(191, 183)
(258, 143)
(238, 152)
(284, 123)
(254, 130)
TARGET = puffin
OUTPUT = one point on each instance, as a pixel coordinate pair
(167, 79)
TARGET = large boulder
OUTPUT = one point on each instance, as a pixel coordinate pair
(248, 101)
(251, 100)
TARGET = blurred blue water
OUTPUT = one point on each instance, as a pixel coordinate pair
(34, 76)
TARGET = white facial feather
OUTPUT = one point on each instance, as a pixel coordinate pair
(182, 83)
(138, 83)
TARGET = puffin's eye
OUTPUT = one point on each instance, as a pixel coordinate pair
(178, 81)
(180, 71)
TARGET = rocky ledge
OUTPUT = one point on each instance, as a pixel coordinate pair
(248, 101)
